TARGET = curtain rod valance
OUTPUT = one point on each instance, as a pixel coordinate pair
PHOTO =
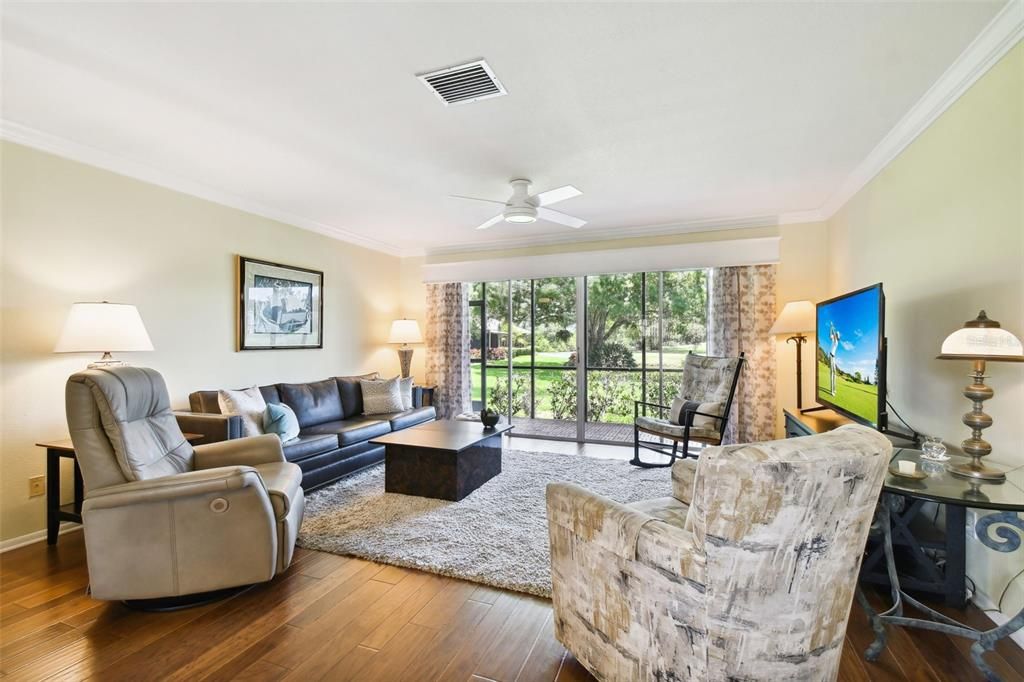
(757, 251)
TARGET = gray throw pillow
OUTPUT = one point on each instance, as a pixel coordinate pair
(248, 404)
(405, 388)
(380, 397)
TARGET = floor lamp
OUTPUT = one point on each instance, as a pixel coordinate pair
(796, 319)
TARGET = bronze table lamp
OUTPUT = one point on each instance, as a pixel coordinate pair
(980, 340)
(404, 332)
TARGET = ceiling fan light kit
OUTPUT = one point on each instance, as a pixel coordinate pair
(523, 208)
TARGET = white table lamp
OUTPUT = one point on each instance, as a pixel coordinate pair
(405, 332)
(979, 340)
(795, 319)
(103, 328)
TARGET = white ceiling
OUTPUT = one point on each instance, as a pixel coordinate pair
(661, 113)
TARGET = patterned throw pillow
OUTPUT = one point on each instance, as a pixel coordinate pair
(248, 404)
(380, 397)
(680, 406)
(405, 388)
(280, 419)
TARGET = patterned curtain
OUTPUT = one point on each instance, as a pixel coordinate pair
(742, 310)
(447, 337)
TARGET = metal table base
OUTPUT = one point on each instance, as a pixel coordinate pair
(984, 640)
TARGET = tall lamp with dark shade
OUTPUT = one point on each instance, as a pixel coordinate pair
(796, 319)
(405, 332)
(980, 340)
(103, 327)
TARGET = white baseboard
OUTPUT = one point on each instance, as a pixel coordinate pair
(982, 601)
(37, 536)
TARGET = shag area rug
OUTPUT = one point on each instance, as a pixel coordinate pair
(497, 535)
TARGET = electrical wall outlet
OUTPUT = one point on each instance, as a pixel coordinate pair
(37, 486)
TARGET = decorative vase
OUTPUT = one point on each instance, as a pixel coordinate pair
(489, 418)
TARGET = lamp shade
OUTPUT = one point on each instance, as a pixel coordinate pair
(982, 339)
(103, 328)
(405, 331)
(796, 317)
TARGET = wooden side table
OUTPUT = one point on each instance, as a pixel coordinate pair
(55, 511)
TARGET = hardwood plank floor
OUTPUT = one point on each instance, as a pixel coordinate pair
(343, 618)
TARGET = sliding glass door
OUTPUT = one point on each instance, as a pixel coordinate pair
(528, 337)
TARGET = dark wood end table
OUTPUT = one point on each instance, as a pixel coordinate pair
(55, 511)
(445, 460)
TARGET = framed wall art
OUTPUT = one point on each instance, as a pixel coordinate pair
(280, 306)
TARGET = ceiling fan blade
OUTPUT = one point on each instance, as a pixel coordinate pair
(493, 221)
(488, 201)
(553, 196)
(556, 217)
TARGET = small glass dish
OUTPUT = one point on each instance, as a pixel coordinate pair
(933, 449)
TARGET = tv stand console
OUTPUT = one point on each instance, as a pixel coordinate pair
(811, 421)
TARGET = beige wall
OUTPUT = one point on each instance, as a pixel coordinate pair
(802, 275)
(72, 232)
(943, 228)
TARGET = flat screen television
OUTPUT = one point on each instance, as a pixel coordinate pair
(850, 355)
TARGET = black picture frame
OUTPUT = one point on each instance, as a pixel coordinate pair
(280, 307)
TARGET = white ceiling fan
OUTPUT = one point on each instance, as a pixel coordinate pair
(522, 207)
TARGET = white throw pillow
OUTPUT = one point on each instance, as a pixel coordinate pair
(405, 388)
(380, 397)
(681, 405)
(248, 404)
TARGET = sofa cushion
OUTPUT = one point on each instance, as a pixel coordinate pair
(309, 444)
(349, 431)
(407, 418)
(352, 393)
(283, 481)
(313, 403)
(270, 394)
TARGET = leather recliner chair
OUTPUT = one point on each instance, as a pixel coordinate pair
(163, 519)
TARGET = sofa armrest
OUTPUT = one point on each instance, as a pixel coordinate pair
(684, 476)
(189, 484)
(265, 449)
(213, 427)
(671, 550)
(625, 532)
(595, 519)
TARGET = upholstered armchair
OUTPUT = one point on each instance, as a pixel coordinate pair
(163, 519)
(746, 572)
(699, 413)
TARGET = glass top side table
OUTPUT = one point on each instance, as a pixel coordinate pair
(1000, 531)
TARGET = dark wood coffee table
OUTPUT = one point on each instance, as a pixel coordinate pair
(446, 460)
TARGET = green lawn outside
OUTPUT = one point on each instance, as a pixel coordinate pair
(860, 399)
(673, 359)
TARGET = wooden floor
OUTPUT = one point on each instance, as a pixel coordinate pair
(338, 618)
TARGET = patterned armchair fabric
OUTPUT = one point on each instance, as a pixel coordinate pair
(746, 572)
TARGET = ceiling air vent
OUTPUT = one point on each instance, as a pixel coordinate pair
(464, 83)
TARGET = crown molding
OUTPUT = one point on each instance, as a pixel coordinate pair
(53, 144)
(997, 38)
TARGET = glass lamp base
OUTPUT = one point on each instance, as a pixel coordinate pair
(976, 470)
